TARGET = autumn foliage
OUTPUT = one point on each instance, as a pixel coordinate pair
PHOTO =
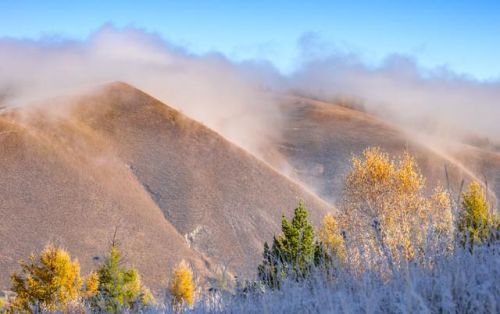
(385, 209)
(49, 281)
(386, 222)
(476, 224)
(330, 236)
(182, 287)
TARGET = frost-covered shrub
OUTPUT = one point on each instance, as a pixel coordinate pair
(457, 282)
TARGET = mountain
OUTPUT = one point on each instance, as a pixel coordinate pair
(77, 169)
(320, 138)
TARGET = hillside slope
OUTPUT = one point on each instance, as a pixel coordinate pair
(320, 139)
(117, 157)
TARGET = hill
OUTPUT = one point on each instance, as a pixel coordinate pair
(76, 169)
(319, 140)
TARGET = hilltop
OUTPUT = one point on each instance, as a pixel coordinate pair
(75, 170)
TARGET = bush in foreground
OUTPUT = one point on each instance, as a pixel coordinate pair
(49, 281)
(119, 288)
(385, 210)
(476, 224)
(182, 287)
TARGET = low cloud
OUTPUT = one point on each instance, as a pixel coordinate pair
(236, 99)
(437, 100)
(225, 96)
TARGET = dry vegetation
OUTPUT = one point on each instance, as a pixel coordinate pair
(179, 191)
(119, 158)
(392, 248)
(319, 139)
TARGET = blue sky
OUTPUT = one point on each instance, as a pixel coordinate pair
(463, 36)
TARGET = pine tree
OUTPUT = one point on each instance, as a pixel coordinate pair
(48, 282)
(119, 288)
(272, 270)
(293, 253)
(182, 287)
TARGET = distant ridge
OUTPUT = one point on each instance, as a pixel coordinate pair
(320, 138)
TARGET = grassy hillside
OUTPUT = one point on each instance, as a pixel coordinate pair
(117, 157)
(320, 138)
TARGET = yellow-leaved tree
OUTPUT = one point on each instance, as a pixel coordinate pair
(3, 304)
(476, 224)
(384, 208)
(49, 281)
(329, 234)
(182, 286)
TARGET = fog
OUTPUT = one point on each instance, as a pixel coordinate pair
(225, 96)
(237, 99)
(436, 100)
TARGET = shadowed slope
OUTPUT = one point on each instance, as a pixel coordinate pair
(118, 157)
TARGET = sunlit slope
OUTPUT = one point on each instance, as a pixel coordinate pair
(221, 198)
(117, 157)
(320, 139)
(55, 191)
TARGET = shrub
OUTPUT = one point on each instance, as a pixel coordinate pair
(119, 288)
(49, 281)
(458, 282)
(384, 208)
(330, 236)
(182, 287)
(475, 224)
(3, 305)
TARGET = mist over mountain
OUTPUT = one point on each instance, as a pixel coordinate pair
(237, 98)
(115, 158)
(197, 157)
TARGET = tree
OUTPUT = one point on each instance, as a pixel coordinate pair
(475, 222)
(271, 271)
(119, 288)
(384, 208)
(293, 253)
(91, 285)
(49, 281)
(3, 305)
(182, 287)
(330, 237)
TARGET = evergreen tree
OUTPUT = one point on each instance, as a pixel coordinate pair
(272, 269)
(119, 288)
(293, 253)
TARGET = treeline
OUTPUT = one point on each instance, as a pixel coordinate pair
(51, 282)
(386, 221)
